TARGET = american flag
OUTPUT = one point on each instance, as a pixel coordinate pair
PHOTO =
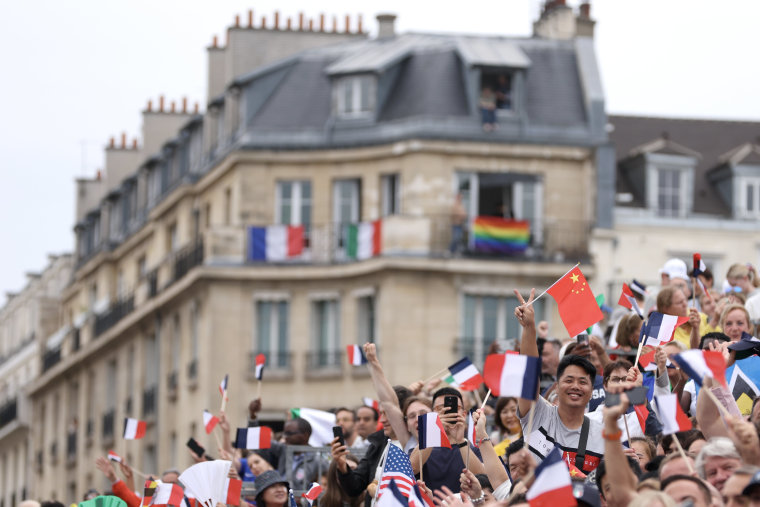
(398, 468)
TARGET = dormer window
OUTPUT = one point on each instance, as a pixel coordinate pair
(355, 95)
(499, 85)
(749, 197)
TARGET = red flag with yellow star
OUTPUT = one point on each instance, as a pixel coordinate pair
(575, 302)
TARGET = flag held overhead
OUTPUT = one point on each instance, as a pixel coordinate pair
(512, 375)
(699, 364)
(355, 355)
(431, 432)
(209, 421)
(261, 359)
(134, 429)
(576, 304)
(254, 438)
(465, 374)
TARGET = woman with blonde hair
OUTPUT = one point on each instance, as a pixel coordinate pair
(735, 320)
(745, 277)
(672, 301)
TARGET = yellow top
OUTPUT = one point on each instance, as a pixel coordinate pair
(683, 332)
(501, 447)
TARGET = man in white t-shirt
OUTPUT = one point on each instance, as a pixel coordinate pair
(561, 425)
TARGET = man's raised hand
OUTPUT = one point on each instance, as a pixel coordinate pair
(524, 313)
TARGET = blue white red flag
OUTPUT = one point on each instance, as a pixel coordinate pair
(223, 385)
(552, 486)
(418, 498)
(314, 491)
(659, 329)
(465, 375)
(209, 421)
(627, 300)
(431, 432)
(254, 438)
(275, 243)
(397, 468)
(699, 364)
(671, 416)
(471, 430)
(512, 375)
(261, 360)
(355, 355)
(372, 403)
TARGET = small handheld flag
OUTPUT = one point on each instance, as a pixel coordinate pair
(369, 402)
(261, 359)
(134, 429)
(355, 355)
(162, 493)
(670, 414)
(465, 374)
(471, 430)
(512, 375)
(233, 489)
(223, 386)
(552, 486)
(314, 491)
(254, 438)
(660, 328)
(431, 432)
(209, 421)
(577, 306)
(699, 364)
(629, 301)
(397, 467)
(114, 457)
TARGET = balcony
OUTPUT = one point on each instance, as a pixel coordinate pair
(113, 315)
(279, 365)
(8, 412)
(324, 363)
(50, 358)
(149, 401)
(186, 259)
(108, 425)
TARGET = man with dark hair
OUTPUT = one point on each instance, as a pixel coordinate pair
(685, 488)
(443, 466)
(565, 425)
(346, 419)
(366, 421)
(306, 467)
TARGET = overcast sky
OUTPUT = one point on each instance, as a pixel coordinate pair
(76, 72)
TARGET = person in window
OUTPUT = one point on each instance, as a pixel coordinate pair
(488, 108)
(503, 93)
(458, 219)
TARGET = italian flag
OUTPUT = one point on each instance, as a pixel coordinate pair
(364, 240)
(321, 424)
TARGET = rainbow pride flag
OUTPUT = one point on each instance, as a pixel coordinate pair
(500, 235)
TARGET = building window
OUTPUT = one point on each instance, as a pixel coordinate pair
(325, 331)
(175, 343)
(172, 242)
(293, 203)
(227, 206)
(272, 332)
(142, 267)
(486, 319)
(499, 85)
(194, 311)
(355, 96)
(749, 201)
(365, 315)
(389, 186)
(111, 370)
(669, 192)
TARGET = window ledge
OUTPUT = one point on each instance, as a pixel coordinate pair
(324, 372)
(285, 374)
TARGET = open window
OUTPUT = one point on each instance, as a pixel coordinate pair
(499, 83)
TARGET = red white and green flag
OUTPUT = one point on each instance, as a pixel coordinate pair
(364, 240)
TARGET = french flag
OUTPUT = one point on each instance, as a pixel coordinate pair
(261, 359)
(699, 364)
(648, 363)
(628, 301)
(232, 488)
(223, 385)
(355, 355)
(699, 268)
(552, 486)
(134, 429)
(512, 375)
(431, 432)
(471, 430)
(314, 491)
(465, 374)
(659, 329)
(670, 414)
(163, 493)
(276, 242)
(254, 438)
(209, 421)
(114, 457)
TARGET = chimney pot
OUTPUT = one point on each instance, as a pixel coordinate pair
(348, 24)
(215, 42)
(150, 105)
(276, 20)
(300, 21)
(585, 10)
(196, 108)
(311, 25)
(321, 22)
(237, 20)
(263, 22)
(98, 175)
(335, 24)
(123, 140)
(112, 143)
(184, 104)
(250, 18)
(134, 144)
(287, 24)
(359, 28)
(173, 106)
(161, 104)
(385, 25)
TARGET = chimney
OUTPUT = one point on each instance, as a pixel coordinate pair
(263, 22)
(195, 109)
(276, 20)
(134, 143)
(557, 21)
(348, 24)
(123, 140)
(300, 21)
(335, 24)
(385, 26)
(237, 20)
(112, 143)
(184, 105)
(161, 104)
(584, 26)
(215, 42)
(173, 106)
(359, 29)
(311, 25)
(288, 24)
(585, 10)
(321, 22)
(150, 105)
(250, 18)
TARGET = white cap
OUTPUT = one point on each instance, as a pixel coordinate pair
(675, 268)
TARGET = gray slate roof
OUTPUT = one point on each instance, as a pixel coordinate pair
(710, 138)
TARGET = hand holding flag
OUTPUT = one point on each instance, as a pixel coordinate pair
(627, 300)
(577, 306)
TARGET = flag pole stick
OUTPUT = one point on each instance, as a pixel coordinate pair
(224, 401)
(482, 405)
(694, 291)
(552, 285)
(258, 390)
(683, 454)
(435, 375)
(627, 433)
(529, 427)
(476, 394)
(419, 453)
(467, 461)
(638, 353)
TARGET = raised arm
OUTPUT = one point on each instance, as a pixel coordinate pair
(528, 346)
(618, 471)
(386, 394)
(494, 469)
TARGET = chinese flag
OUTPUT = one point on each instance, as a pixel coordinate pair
(575, 301)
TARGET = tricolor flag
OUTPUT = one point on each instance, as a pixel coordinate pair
(431, 432)
(648, 363)
(292, 500)
(275, 242)
(699, 268)
(114, 457)
(629, 301)
(418, 498)
(364, 240)
(223, 386)
(699, 364)
(465, 375)
(162, 493)
(209, 421)
(254, 438)
(671, 416)
(372, 403)
(471, 430)
(355, 355)
(321, 424)
(659, 329)
(232, 491)
(314, 491)
(552, 486)
(261, 359)
(512, 375)
(576, 304)
(133, 429)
